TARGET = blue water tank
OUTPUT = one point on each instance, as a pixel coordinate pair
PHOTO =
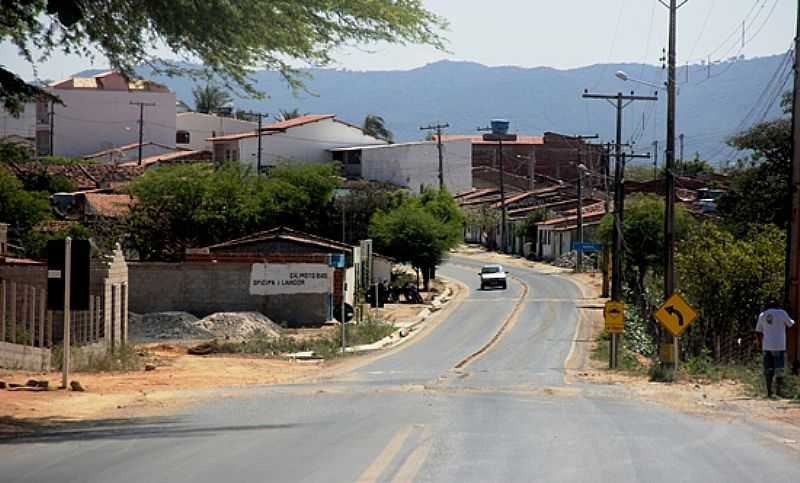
(500, 126)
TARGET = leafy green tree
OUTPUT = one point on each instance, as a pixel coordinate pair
(375, 126)
(643, 244)
(229, 39)
(419, 230)
(15, 153)
(21, 209)
(729, 278)
(188, 206)
(759, 187)
(285, 114)
(695, 167)
(350, 213)
(210, 99)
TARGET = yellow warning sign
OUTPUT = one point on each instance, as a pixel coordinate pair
(614, 314)
(676, 315)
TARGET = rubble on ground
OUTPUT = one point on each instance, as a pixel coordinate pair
(183, 325)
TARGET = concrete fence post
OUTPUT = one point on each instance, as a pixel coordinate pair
(42, 312)
(12, 327)
(2, 310)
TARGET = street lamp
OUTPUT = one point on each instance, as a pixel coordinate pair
(622, 75)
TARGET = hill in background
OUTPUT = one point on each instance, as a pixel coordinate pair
(468, 95)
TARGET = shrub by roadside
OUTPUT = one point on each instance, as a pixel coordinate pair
(327, 347)
(82, 359)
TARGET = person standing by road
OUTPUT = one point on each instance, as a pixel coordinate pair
(771, 332)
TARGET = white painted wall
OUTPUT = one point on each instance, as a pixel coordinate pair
(306, 144)
(92, 120)
(23, 126)
(203, 126)
(417, 164)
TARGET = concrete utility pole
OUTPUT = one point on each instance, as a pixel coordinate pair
(260, 116)
(52, 126)
(499, 133)
(581, 168)
(620, 102)
(682, 162)
(67, 329)
(141, 105)
(669, 218)
(792, 284)
(438, 128)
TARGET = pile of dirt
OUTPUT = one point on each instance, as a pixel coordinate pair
(239, 325)
(166, 326)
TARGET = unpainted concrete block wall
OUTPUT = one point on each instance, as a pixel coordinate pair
(203, 288)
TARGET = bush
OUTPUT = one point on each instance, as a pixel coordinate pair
(86, 359)
(659, 373)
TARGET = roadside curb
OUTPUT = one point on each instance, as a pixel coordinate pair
(405, 330)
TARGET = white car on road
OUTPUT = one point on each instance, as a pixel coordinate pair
(493, 276)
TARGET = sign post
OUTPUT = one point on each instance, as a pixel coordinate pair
(67, 283)
(676, 315)
(614, 316)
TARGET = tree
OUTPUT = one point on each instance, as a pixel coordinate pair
(285, 114)
(21, 209)
(180, 207)
(353, 207)
(730, 279)
(695, 167)
(759, 190)
(375, 126)
(229, 39)
(210, 99)
(643, 243)
(419, 230)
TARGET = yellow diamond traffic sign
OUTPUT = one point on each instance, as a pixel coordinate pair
(676, 315)
(614, 314)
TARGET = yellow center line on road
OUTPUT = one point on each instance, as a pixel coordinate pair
(414, 462)
(379, 465)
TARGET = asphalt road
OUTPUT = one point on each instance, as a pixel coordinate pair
(410, 415)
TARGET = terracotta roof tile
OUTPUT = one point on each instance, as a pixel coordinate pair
(107, 205)
(276, 127)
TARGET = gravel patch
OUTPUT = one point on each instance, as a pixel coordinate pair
(183, 325)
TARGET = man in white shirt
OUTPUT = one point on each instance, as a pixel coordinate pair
(771, 333)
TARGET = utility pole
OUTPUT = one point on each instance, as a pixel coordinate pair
(681, 163)
(499, 133)
(619, 101)
(579, 260)
(438, 128)
(260, 116)
(792, 284)
(52, 126)
(655, 160)
(532, 170)
(141, 105)
(669, 218)
(606, 253)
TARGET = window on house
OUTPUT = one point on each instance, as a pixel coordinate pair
(182, 137)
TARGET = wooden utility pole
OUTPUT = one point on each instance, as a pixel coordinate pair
(792, 284)
(438, 128)
(141, 105)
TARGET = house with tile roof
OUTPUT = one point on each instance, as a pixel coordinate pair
(304, 139)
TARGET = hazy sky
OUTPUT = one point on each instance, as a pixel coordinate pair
(556, 33)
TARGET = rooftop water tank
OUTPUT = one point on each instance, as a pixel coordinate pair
(500, 126)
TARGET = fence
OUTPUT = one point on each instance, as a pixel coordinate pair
(28, 330)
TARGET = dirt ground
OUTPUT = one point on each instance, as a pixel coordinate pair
(179, 379)
(176, 380)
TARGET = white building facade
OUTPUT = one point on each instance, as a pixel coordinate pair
(412, 165)
(303, 140)
(98, 113)
(194, 129)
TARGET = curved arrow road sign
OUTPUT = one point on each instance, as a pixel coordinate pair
(676, 315)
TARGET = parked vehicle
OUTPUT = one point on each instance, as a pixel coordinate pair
(493, 276)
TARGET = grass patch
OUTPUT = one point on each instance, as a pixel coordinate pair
(327, 347)
(82, 359)
(628, 360)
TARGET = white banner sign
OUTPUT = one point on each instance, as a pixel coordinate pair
(291, 278)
